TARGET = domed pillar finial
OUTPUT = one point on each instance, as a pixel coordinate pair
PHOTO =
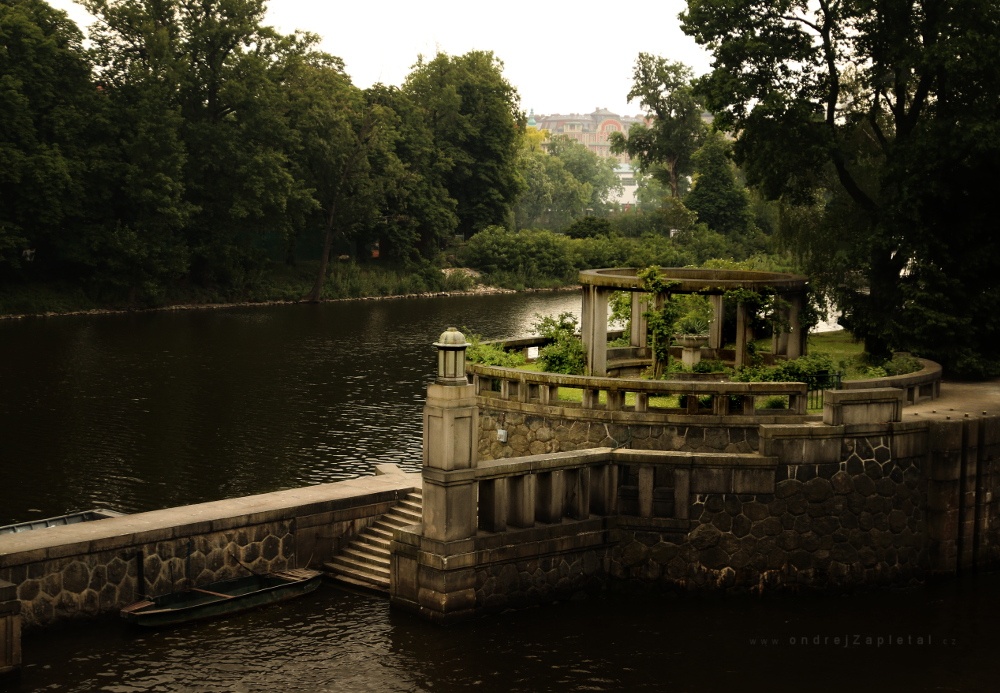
(451, 347)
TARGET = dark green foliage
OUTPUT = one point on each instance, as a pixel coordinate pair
(491, 354)
(589, 227)
(717, 198)
(788, 371)
(877, 127)
(565, 354)
(473, 115)
(50, 130)
(663, 149)
(529, 255)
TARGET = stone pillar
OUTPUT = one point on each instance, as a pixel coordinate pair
(741, 335)
(638, 335)
(431, 569)
(797, 335)
(10, 629)
(594, 329)
(715, 329)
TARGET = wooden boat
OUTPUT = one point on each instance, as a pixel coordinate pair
(222, 598)
(68, 519)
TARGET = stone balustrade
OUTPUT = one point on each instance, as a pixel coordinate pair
(919, 386)
(640, 400)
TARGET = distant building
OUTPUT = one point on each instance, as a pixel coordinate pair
(627, 197)
(592, 129)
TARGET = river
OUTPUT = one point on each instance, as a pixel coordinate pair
(137, 412)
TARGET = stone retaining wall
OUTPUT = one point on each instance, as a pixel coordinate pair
(98, 567)
(531, 434)
(849, 506)
(856, 521)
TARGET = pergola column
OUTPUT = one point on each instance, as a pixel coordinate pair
(640, 328)
(797, 335)
(715, 329)
(741, 334)
(594, 329)
(790, 342)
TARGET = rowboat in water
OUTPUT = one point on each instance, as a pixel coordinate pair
(68, 519)
(222, 598)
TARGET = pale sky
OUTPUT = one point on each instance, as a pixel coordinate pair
(561, 57)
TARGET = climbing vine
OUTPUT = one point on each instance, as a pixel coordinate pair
(660, 317)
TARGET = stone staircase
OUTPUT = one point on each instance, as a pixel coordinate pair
(364, 563)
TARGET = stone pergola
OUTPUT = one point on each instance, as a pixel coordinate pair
(714, 283)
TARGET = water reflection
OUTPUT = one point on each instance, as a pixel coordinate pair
(338, 641)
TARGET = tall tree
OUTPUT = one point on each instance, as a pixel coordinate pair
(49, 107)
(882, 115)
(716, 194)
(209, 76)
(419, 214)
(664, 148)
(553, 196)
(474, 115)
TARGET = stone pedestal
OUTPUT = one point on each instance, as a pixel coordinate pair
(691, 345)
(10, 629)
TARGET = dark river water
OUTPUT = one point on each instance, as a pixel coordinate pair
(154, 410)
(137, 412)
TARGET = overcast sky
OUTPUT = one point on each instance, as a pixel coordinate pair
(561, 57)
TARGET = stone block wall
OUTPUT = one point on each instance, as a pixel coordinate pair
(529, 434)
(539, 580)
(852, 507)
(88, 584)
(91, 568)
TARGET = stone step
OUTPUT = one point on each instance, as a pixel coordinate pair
(365, 562)
(397, 520)
(374, 538)
(343, 563)
(368, 584)
(368, 554)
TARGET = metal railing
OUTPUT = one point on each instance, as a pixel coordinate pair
(817, 384)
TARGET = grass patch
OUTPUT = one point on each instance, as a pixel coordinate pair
(839, 345)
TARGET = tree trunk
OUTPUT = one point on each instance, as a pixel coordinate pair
(324, 259)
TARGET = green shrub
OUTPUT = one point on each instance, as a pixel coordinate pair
(589, 227)
(710, 366)
(566, 353)
(792, 371)
(491, 354)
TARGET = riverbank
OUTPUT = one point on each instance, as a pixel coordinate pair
(478, 290)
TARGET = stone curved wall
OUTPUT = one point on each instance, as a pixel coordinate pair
(536, 434)
(855, 523)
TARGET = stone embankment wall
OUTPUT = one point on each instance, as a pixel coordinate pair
(860, 499)
(98, 567)
(847, 510)
(537, 434)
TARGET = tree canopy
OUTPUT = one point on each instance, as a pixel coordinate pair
(190, 144)
(474, 118)
(875, 123)
(663, 148)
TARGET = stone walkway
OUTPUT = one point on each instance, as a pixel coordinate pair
(958, 399)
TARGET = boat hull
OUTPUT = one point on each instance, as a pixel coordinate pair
(222, 598)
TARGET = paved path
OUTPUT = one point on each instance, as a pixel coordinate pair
(958, 399)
